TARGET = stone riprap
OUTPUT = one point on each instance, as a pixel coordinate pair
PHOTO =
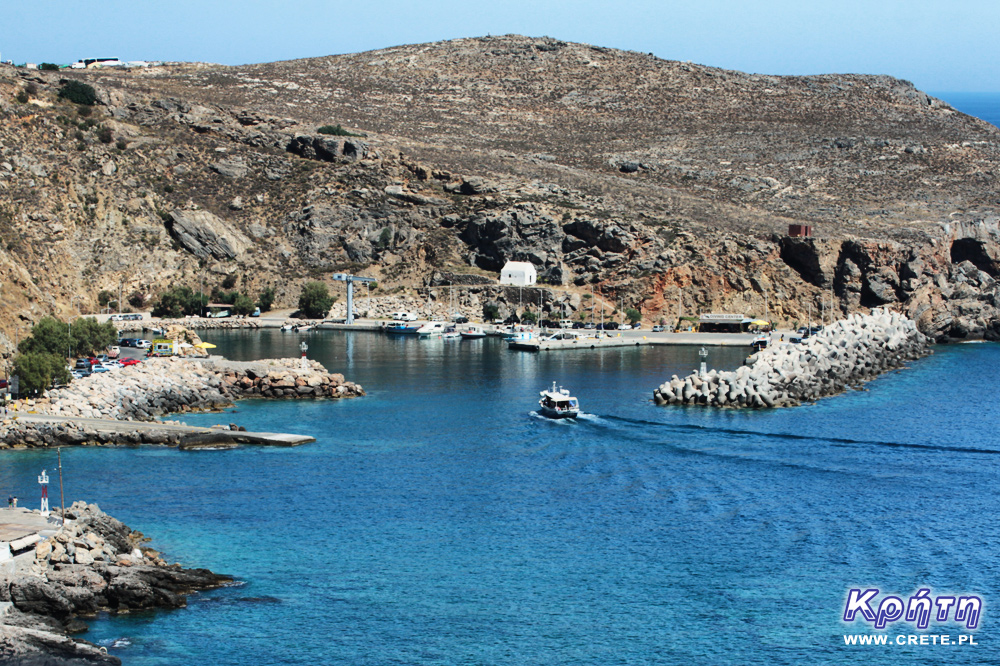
(160, 386)
(846, 353)
(95, 563)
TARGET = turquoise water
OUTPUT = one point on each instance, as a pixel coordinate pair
(437, 521)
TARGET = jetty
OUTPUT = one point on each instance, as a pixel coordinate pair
(120, 407)
(846, 353)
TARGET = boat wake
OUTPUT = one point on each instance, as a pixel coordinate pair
(681, 427)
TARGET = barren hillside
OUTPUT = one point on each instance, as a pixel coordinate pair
(609, 168)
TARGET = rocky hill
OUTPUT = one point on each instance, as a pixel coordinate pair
(641, 178)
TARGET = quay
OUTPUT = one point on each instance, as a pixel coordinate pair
(186, 436)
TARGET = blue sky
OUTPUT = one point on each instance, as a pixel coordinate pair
(939, 45)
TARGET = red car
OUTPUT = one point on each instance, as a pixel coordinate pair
(130, 361)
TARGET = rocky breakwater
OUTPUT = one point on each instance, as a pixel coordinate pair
(281, 378)
(95, 563)
(847, 353)
(162, 386)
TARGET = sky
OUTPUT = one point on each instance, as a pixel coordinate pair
(940, 45)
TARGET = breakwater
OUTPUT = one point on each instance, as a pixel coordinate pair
(165, 386)
(846, 353)
(95, 563)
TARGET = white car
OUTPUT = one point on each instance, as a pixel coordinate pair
(143, 344)
(625, 327)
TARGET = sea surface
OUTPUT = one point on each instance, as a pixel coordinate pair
(440, 521)
(979, 104)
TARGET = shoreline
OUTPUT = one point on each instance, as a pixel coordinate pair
(94, 564)
(159, 387)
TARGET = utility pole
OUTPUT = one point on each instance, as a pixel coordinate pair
(62, 497)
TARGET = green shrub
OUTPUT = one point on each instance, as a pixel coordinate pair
(78, 92)
(22, 97)
(229, 281)
(104, 297)
(529, 317)
(266, 299)
(49, 67)
(491, 311)
(105, 135)
(179, 301)
(37, 371)
(121, 144)
(633, 315)
(315, 300)
(242, 304)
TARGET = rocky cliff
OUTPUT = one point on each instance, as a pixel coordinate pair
(648, 180)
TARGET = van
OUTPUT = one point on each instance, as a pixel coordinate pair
(565, 323)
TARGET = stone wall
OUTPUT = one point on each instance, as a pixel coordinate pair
(846, 353)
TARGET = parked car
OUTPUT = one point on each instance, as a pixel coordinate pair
(103, 358)
(659, 328)
(625, 327)
(255, 313)
(636, 326)
(143, 344)
(82, 364)
(577, 324)
(130, 361)
(99, 367)
(114, 352)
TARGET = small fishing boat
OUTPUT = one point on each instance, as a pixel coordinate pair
(760, 342)
(557, 403)
(432, 328)
(287, 327)
(304, 327)
(401, 329)
(472, 332)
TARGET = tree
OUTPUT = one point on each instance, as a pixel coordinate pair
(266, 299)
(491, 311)
(48, 336)
(242, 304)
(315, 300)
(137, 300)
(633, 315)
(529, 317)
(49, 67)
(229, 281)
(179, 301)
(38, 370)
(90, 337)
(104, 297)
(78, 92)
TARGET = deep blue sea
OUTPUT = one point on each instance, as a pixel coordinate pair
(438, 521)
(981, 105)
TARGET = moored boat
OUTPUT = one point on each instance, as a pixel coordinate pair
(557, 403)
(472, 332)
(401, 329)
(436, 328)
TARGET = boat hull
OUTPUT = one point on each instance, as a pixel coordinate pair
(550, 413)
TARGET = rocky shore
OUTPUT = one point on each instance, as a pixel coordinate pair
(165, 386)
(847, 353)
(96, 563)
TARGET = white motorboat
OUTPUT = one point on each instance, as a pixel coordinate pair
(557, 403)
(471, 332)
(432, 328)
(287, 327)
(304, 327)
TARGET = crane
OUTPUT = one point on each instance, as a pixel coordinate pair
(350, 280)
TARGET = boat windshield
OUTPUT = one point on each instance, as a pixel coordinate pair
(573, 403)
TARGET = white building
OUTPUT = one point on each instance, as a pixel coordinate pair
(518, 274)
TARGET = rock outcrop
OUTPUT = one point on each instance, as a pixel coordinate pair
(205, 235)
(96, 563)
(478, 151)
(846, 353)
